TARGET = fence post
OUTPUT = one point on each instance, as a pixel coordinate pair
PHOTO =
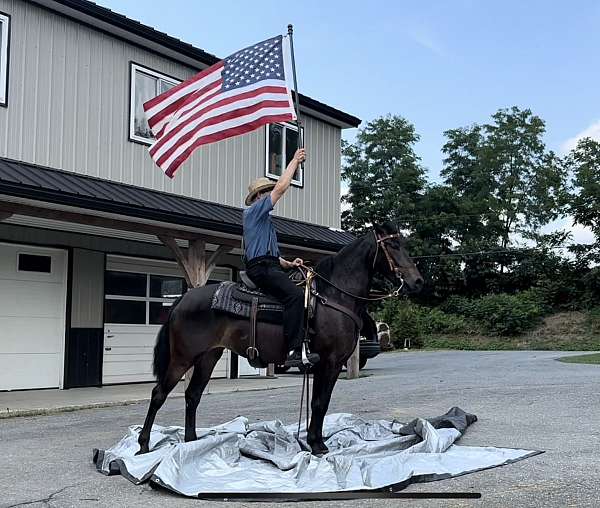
(352, 365)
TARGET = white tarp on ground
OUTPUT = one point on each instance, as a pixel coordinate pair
(266, 457)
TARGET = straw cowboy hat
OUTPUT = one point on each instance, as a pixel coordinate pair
(258, 185)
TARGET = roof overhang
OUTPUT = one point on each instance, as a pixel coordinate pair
(62, 195)
(122, 27)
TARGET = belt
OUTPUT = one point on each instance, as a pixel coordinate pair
(259, 259)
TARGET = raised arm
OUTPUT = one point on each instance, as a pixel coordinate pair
(283, 184)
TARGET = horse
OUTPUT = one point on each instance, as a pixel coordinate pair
(195, 335)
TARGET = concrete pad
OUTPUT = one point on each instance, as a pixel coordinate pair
(40, 402)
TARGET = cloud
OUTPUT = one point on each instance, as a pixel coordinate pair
(423, 37)
(593, 131)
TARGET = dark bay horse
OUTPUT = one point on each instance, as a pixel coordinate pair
(195, 335)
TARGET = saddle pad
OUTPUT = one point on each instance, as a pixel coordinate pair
(230, 298)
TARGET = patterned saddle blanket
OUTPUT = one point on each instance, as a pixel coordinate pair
(236, 299)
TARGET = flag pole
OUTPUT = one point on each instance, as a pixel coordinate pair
(290, 34)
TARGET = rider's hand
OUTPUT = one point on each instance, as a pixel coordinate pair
(300, 155)
(297, 262)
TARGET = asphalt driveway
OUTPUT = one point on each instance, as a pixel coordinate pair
(522, 400)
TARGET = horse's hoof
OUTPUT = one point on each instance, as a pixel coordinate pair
(142, 450)
(319, 451)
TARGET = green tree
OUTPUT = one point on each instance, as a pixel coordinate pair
(584, 162)
(433, 232)
(384, 175)
(507, 182)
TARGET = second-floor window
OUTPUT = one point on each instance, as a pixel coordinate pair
(4, 37)
(282, 142)
(145, 84)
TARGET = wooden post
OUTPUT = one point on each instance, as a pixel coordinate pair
(352, 368)
(195, 266)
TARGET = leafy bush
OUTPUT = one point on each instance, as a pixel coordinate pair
(591, 283)
(408, 320)
(499, 314)
(507, 314)
(435, 321)
(593, 320)
(560, 294)
(458, 305)
(405, 320)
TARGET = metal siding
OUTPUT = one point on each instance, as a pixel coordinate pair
(87, 289)
(69, 105)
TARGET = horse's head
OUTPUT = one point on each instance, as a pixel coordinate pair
(392, 259)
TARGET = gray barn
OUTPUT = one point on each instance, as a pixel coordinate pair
(85, 281)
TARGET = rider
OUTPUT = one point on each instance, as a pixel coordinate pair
(265, 266)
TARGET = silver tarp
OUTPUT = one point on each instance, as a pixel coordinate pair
(266, 457)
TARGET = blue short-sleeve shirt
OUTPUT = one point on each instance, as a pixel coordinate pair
(260, 238)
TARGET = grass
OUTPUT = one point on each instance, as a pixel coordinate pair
(565, 331)
(539, 343)
(591, 359)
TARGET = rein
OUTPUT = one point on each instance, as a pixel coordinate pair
(394, 293)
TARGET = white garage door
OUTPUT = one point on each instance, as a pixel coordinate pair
(138, 295)
(33, 292)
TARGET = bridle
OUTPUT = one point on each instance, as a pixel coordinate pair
(311, 273)
(395, 269)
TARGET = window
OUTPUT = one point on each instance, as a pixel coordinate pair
(34, 263)
(282, 142)
(4, 43)
(145, 84)
(140, 298)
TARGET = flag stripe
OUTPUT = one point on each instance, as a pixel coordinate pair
(183, 89)
(216, 107)
(194, 106)
(228, 124)
(179, 107)
(234, 131)
(212, 129)
(192, 133)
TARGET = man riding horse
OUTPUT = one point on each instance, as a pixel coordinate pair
(264, 265)
(197, 333)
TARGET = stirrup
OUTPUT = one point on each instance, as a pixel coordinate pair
(305, 360)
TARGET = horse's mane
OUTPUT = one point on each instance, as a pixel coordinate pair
(325, 266)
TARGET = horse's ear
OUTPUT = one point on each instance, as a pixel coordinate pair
(379, 229)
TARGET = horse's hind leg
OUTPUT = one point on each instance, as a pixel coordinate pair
(159, 395)
(202, 371)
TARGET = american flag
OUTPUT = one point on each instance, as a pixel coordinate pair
(236, 95)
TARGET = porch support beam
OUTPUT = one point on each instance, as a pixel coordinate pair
(195, 263)
(352, 367)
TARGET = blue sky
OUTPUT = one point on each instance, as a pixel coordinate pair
(440, 64)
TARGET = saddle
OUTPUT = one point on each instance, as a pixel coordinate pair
(244, 300)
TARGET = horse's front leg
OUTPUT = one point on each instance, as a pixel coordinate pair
(325, 376)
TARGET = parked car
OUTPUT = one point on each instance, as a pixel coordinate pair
(369, 348)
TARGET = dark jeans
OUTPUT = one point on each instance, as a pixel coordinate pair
(267, 274)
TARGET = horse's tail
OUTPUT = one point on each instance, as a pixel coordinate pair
(162, 349)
